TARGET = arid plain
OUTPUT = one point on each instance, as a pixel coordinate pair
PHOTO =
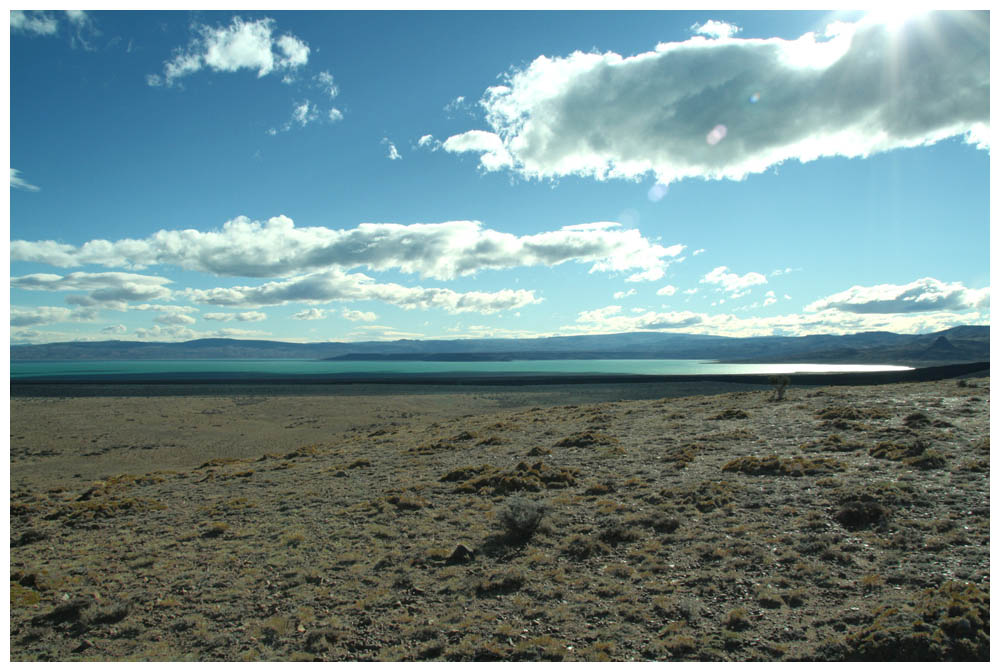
(537, 523)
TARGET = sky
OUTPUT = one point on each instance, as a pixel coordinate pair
(354, 176)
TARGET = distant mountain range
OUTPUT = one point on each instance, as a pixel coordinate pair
(958, 344)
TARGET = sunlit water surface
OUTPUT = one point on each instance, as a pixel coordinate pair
(270, 367)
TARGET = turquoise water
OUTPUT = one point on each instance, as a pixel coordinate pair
(304, 366)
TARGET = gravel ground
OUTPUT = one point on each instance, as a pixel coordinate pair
(841, 523)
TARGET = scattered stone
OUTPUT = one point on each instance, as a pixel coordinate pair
(461, 554)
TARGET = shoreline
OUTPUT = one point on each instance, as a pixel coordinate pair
(250, 383)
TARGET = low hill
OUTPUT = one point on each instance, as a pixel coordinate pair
(958, 344)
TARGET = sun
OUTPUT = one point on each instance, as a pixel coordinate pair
(893, 17)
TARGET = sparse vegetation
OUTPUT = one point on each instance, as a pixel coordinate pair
(780, 383)
(640, 531)
(521, 518)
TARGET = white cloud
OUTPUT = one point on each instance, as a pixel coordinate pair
(21, 316)
(174, 319)
(239, 333)
(249, 316)
(697, 252)
(296, 53)
(430, 141)
(924, 295)
(104, 289)
(325, 82)
(38, 23)
(17, 182)
(610, 320)
(83, 29)
(715, 29)
(609, 116)
(375, 332)
(736, 285)
(359, 316)
(276, 248)
(304, 113)
(77, 17)
(240, 45)
(338, 286)
(393, 153)
(310, 314)
(493, 154)
(666, 290)
(167, 333)
(80, 26)
(622, 295)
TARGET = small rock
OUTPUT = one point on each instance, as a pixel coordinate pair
(84, 645)
(462, 553)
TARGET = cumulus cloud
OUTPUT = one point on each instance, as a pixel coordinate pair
(610, 320)
(359, 316)
(736, 285)
(666, 290)
(167, 333)
(310, 314)
(249, 316)
(622, 295)
(18, 182)
(106, 289)
(923, 295)
(38, 23)
(240, 45)
(493, 155)
(276, 248)
(21, 316)
(716, 29)
(855, 90)
(429, 141)
(338, 286)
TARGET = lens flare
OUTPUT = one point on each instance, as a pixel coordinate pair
(716, 135)
(657, 192)
(754, 97)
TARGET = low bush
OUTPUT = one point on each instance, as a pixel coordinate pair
(521, 518)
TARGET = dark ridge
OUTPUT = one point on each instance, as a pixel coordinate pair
(968, 343)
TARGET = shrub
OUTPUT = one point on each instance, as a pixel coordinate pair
(521, 518)
(917, 454)
(582, 546)
(779, 383)
(859, 514)
(731, 414)
(791, 466)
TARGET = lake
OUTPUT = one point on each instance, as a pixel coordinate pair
(270, 367)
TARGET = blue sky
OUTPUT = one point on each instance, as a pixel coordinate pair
(318, 176)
